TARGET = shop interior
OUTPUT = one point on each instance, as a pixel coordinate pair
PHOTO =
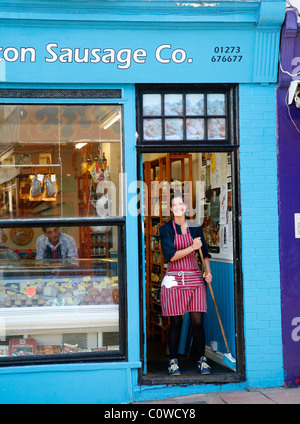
(204, 179)
(59, 161)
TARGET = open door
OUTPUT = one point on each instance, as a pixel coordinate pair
(205, 181)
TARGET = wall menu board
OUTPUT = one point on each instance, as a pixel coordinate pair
(217, 207)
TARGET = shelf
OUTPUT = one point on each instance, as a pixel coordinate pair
(160, 171)
(50, 319)
(38, 165)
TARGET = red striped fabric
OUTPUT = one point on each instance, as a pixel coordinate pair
(190, 293)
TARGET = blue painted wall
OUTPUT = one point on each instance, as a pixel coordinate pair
(260, 246)
(223, 289)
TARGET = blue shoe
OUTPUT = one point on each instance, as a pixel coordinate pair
(173, 367)
(203, 367)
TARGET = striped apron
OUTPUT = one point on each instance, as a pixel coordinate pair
(183, 289)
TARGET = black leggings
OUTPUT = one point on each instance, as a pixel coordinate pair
(197, 330)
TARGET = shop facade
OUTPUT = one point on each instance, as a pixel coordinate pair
(105, 108)
(288, 154)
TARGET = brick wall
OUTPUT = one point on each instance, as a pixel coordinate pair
(260, 249)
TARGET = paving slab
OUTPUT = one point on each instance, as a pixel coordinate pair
(245, 397)
(277, 395)
(209, 399)
(283, 395)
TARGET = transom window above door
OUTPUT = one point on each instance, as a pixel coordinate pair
(170, 116)
(184, 116)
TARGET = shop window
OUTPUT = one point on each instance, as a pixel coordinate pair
(62, 279)
(60, 160)
(54, 302)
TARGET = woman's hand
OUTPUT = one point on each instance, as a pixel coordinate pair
(197, 243)
(207, 277)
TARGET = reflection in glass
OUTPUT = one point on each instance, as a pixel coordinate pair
(194, 104)
(60, 300)
(57, 160)
(194, 129)
(216, 128)
(151, 104)
(173, 104)
(216, 104)
(152, 129)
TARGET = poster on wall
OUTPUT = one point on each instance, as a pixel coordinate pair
(217, 222)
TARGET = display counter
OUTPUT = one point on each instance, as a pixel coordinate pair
(47, 300)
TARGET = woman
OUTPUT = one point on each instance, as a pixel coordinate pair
(183, 289)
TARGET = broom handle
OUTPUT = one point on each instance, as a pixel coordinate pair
(216, 308)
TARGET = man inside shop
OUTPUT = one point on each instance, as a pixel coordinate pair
(55, 245)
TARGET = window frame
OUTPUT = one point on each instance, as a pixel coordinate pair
(186, 144)
(70, 97)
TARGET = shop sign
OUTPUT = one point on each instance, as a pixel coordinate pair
(127, 56)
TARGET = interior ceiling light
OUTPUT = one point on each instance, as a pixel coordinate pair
(80, 145)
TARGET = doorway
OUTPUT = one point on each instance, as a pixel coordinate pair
(205, 180)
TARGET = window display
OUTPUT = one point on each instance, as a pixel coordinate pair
(60, 287)
(56, 293)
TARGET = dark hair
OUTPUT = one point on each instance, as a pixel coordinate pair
(45, 228)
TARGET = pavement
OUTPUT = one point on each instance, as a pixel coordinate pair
(277, 395)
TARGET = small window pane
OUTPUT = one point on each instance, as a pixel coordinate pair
(216, 128)
(195, 129)
(151, 105)
(152, 129)
(194, 104)
(216, 104)
(174, 129)
(173, 104)
(59, 291)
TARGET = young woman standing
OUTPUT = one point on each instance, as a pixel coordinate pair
(183, 289)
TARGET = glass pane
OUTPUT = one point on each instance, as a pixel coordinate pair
(194, 129)
(151, 104)
(59, 290)
(174, 129)
(216, 128)
(56, 160)
(152, 129)
(216, 104)
(194, 104)
(173, 104)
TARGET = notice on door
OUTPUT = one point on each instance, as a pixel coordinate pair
(297, 225)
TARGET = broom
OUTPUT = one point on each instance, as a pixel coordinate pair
(228, 359)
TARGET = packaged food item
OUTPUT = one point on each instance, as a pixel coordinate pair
(114, 347)
(4, 350)
(50, 188)
(99, 349)
(29, 302)
(22, 347)
(68, 348)
(36, 188)
(50, 291)
(48, 349)
(105, 292)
